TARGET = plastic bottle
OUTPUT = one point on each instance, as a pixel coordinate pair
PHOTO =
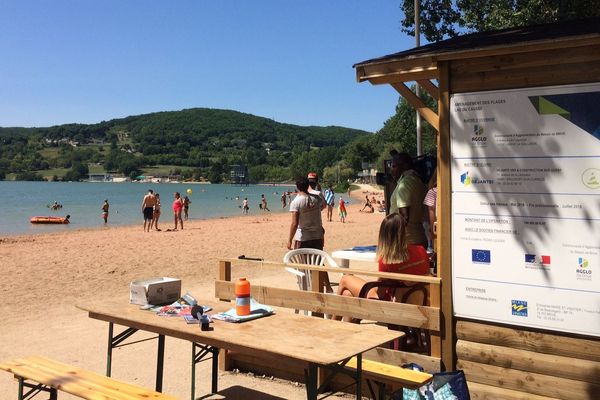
(242, 297)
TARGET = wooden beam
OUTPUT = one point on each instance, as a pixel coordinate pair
(527, 47)
(432, 280)
(547, 364)
(395, 77)
(426, 112)
(585, 349)
(480, 391)
(375, 310)
(430, 88)
(444, 219)
(543, 385)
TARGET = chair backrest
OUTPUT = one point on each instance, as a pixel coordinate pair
(310, 257)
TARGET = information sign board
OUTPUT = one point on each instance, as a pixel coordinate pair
(526, 207)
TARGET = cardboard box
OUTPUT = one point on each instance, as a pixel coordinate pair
(155, 291)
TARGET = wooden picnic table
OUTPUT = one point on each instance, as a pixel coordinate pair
(315, 341)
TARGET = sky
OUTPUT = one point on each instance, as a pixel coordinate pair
(84, 61)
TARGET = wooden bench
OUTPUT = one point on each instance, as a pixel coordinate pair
(385, 374)
(51, 376)
(380, 365)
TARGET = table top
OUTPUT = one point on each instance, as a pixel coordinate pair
(354, 255)
(309, 339)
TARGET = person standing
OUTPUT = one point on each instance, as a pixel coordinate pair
(342, 210)
(263, 202)
(105, 208)
(330, 200)
(306, 229)
(283, 200)
(245, 206)
(177, 207)
(156, 215)
(148, 209)
(186, 207)
(407, 198)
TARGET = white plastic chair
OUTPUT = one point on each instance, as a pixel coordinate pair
(309, 257)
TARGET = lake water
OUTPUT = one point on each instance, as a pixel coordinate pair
(19, 201)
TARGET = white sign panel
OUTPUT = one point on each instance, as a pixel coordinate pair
(526, 207)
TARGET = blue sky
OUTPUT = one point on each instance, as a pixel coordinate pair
(84, 61)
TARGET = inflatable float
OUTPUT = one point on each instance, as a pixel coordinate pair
(50, 220)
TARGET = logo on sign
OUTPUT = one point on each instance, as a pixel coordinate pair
(584, 270)
(519, 308)
(479, 256)
(465, 179)
(478, 132)
(591, 178)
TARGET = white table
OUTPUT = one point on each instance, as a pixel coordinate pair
(346, 255)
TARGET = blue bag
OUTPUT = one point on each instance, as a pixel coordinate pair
(444, 386)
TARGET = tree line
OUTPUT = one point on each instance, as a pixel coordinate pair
(202, 144)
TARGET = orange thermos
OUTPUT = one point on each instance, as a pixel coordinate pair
(242, 297)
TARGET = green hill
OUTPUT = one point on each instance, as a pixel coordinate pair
(199, 143)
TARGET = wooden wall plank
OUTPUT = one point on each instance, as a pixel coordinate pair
(487, 392)
(526, 77)
(374, 310)
(543, 385)
(547, 364)
(584, 349)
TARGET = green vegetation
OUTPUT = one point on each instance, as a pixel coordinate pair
(202, 144)
(195, 144)
(443, 18)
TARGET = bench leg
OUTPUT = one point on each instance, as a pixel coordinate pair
(34, 390)
(310, 374)
(114, 342)
(199, 356)
(160, 361)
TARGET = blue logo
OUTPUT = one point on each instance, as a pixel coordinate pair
(530, 258)
(479, 256)
(519, 308)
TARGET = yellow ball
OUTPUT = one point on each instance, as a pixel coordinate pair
(189, 192)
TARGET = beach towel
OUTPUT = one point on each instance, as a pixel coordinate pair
(329, 197)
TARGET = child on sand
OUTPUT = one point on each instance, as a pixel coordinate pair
(342, 210)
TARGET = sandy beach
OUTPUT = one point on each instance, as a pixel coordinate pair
(45, 276)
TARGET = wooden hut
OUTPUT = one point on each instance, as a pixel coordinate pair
(493, 89)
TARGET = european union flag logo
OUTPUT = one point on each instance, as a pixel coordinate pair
(479, 256)
(530, 258)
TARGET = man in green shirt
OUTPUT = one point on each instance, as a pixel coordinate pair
(407, 198)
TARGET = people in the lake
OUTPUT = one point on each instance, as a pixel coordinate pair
(148, 209)
(105, 208)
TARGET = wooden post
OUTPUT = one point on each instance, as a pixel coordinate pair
(435, 337)
(444, 217)
(224, 272)
(224, 275)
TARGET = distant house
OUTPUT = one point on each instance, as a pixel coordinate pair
(239, 174)
(100, 177)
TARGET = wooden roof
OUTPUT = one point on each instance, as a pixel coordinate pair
(421, 61)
